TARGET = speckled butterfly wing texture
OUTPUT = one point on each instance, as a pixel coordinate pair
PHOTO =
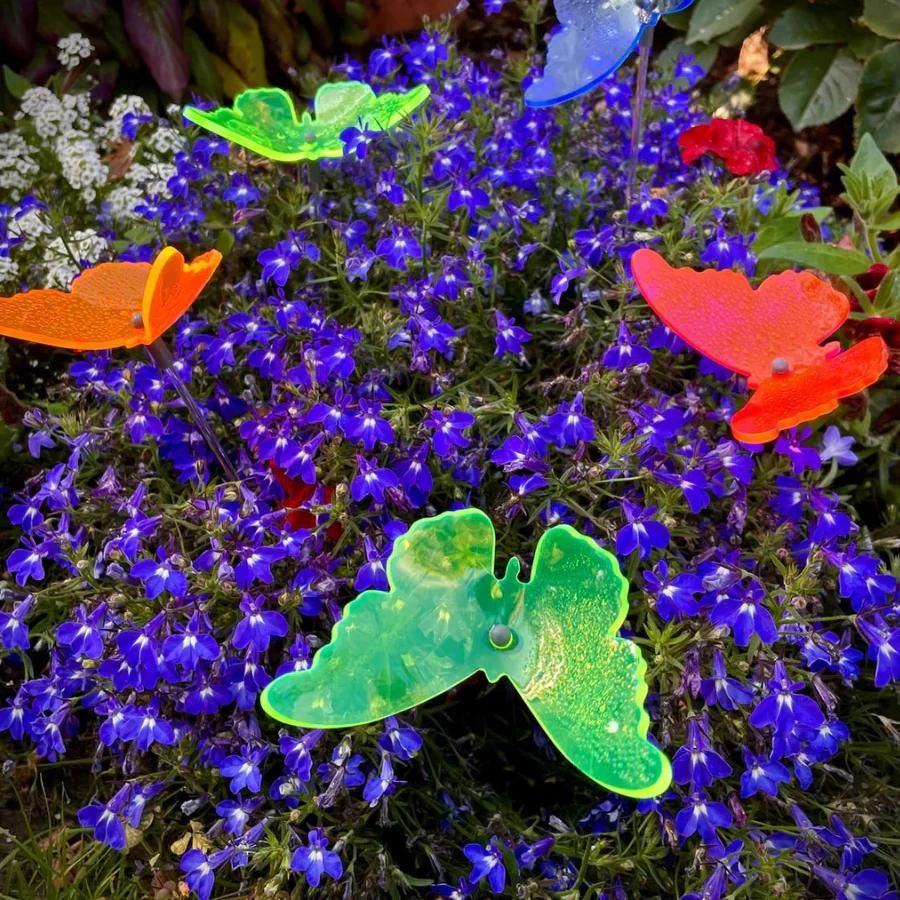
(390, 108)
(584, 684)
(96, 314)
(396, 649)
(172, 286)
(782, 402)
(721, 316)
(263, 120)
(772, 335)
(594, 39)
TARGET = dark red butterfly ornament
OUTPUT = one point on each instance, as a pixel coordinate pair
(772, 335)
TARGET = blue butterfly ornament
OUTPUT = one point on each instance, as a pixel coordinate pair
(596, 37)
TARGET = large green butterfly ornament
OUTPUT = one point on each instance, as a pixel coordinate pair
(446, 617)
(265, 121)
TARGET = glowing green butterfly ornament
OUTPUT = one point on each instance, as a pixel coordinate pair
(446, 617)
(264, 119)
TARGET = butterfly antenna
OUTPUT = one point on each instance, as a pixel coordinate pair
(637, 110)
(162, 359)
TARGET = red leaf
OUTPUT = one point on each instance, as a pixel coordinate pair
(156, 29)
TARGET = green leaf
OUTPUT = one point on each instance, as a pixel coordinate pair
(882, 17)
(818, 86)
(824, 257)
(869, 160)
(714, 17)
(446, 616)
(203, 69)
(805, 26)
(887, 300)
(245, 49)
(863, 44)
(891, 223)
(878, 106)
(16, 84)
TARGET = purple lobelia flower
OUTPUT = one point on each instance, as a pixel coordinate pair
(244, 769)
(315, 859)
(487, 862)
(762, 775)
(743, 609)
(641, 532)
(702, 816)
(784, 708)
(697, 763)
(400, 740)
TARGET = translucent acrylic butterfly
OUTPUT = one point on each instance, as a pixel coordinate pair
(447, 617)
(595, 38)
(772, 335)
(264, 119)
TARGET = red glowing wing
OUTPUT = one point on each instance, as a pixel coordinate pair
(721, 316)
(97, 314)
(786, 400)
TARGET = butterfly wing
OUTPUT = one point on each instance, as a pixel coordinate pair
(172, 287)
(585, 685)
(389, 108)
(97, 314)
(594, 40)
(787, 400)
(396, 649)
(262, 119)
(721, 316)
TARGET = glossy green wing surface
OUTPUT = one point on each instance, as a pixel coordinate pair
(398, 648)
(585, 685)
(264, 119)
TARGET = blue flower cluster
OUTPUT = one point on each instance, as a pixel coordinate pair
(444, 318)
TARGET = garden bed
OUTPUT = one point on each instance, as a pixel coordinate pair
(449, 310)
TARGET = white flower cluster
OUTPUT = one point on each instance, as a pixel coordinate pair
(81, 164)
(73, 50)
(66, 258)
(53, 116)
(17, 164)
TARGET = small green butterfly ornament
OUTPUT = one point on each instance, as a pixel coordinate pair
(264, 119)
(446, 617)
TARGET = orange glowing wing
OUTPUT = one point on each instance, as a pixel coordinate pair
(117, 304)
(98, 314)
(172, 287)
(786, 400)
(721, 316)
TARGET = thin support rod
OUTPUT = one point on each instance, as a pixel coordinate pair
(637, 110)
(162, 358)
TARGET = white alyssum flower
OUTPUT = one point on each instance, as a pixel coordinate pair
(121, 201)
(44, 108)
(17, 164)
(81, 164)
(66, 258)
(166, 142)
(9, 272)
(73, 50)
(152, 177)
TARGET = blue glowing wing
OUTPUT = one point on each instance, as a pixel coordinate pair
(596, 37)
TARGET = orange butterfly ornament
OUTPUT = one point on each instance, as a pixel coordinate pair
(115, 304)
(120, 304)
(773, 335)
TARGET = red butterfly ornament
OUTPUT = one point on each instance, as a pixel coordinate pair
(772, 335)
